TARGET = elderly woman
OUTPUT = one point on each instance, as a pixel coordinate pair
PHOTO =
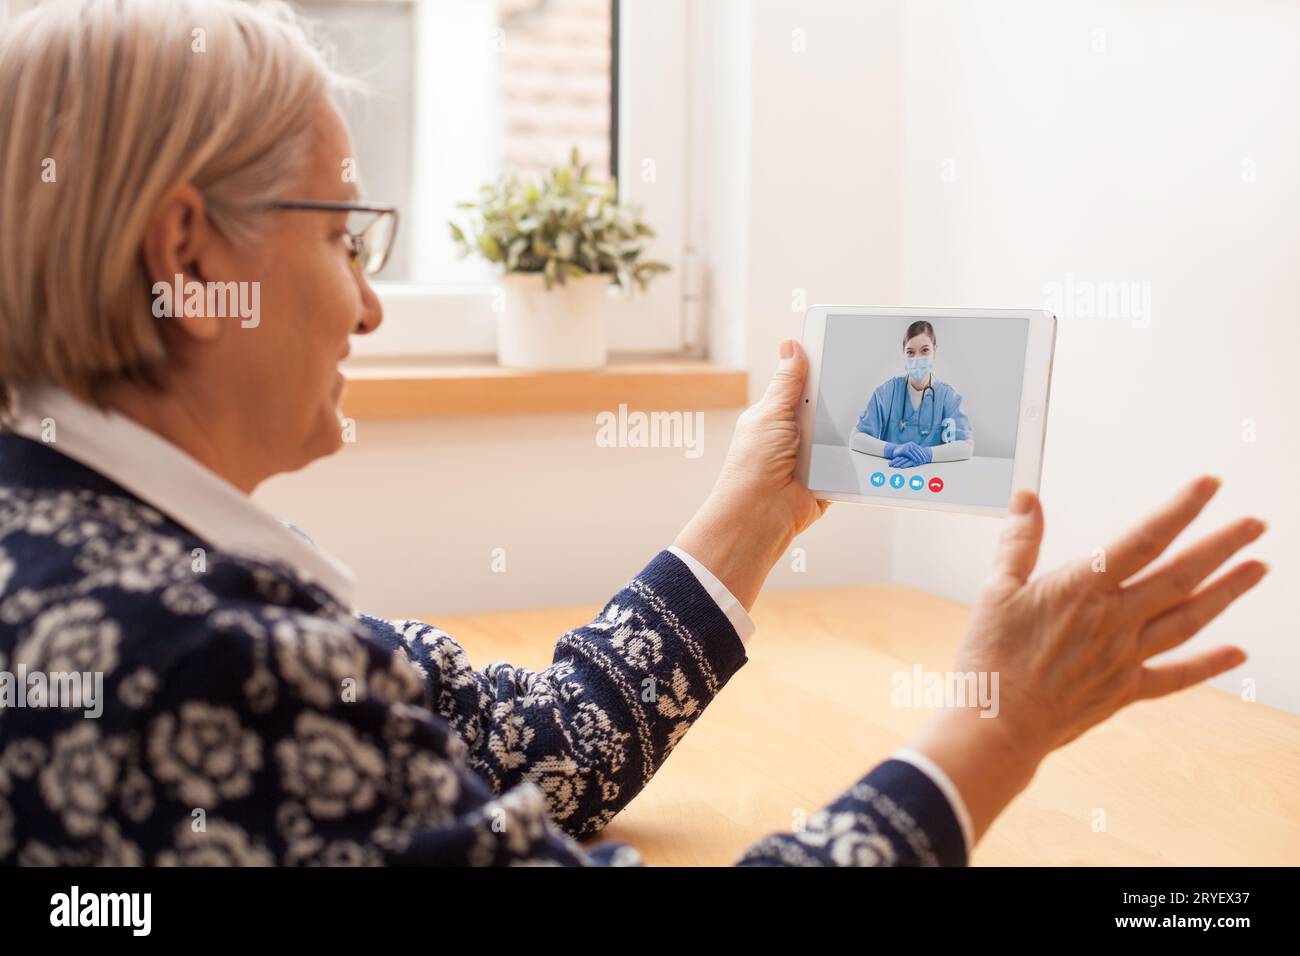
(249, 714)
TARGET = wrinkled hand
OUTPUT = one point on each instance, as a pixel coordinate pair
(758, 474)
(757, 506)
(1073, 646)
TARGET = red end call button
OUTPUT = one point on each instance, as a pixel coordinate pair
(936, 485)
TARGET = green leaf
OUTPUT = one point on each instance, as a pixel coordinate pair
(563, 224)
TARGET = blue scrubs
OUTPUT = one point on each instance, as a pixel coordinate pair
(890, 416)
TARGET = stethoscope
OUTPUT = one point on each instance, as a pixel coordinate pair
(902, 422)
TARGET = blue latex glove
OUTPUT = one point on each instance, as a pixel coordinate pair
(902, 461)
(916, 454)
(891, 450)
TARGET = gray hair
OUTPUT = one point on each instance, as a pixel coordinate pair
(105, 107)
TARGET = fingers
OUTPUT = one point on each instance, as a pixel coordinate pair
(1166, 586)
(1018, 548)
(1168, 678)
(1174, 627)
(1147, 541)
(785, 391)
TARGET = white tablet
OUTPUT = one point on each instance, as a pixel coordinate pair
(941, 409)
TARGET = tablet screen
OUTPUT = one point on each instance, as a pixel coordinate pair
(919, 407)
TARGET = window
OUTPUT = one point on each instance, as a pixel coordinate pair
(461, 90)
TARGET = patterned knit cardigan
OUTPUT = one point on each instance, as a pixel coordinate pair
(250, 719)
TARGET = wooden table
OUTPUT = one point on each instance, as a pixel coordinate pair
(1202, 778)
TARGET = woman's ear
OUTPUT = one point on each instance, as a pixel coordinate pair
(175, 243)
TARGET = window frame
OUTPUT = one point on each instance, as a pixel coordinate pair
(651, 149)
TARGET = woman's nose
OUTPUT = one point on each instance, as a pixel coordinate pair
(372, 310)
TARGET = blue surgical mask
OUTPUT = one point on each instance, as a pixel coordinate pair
(918, 367)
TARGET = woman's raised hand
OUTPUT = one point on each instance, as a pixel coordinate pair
(1074, 646)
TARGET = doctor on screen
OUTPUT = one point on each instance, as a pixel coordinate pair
(915, 419)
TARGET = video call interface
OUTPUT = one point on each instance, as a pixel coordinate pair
(921, 408)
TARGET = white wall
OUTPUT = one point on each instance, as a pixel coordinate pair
(1116, 142)
(416, 509)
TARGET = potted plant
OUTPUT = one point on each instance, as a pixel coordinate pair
(563, 244)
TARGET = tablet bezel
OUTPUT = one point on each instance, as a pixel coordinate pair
(1035, 392)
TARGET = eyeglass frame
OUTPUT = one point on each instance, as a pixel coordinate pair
(332, 205)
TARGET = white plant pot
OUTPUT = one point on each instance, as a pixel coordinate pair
(559, 329)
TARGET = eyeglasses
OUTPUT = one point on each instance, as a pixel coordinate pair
(369, 245)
